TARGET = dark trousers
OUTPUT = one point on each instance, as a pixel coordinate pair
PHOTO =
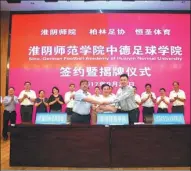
(178, 109)
(137, 120)
(147, 113)
(133, 115)
(8, 116)
(69, 114)
(69, 111)
(26, 113)
(160, 110)
(77, 118)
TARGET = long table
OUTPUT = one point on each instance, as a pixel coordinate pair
(100, 146)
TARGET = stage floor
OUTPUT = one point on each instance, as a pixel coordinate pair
(5, 152)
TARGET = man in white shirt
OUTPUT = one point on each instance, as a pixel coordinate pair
(27, 98)
(138, 102)
(162, 102)
(69, 100)
(88, 92)
(111, 91)
(177, 97)
(97, 95)
(148, 100)
(125, 99)
(106, 96)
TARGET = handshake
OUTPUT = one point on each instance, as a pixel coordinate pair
(104, 103)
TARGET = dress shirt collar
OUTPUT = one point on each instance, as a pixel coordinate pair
(124, 87)
(27, 90)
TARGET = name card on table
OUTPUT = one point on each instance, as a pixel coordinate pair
(112, 119)
(168, 119)
(51, 118)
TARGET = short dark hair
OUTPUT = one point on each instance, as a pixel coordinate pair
(27, 82)
(55, 88)
(175, 82)
(124, 75)
(12, 88)
(82, 81)
(71, 84)
(96, 87)
(40, 91)
(148, 85)
(104, 85)
(162, 89)
(135, 87)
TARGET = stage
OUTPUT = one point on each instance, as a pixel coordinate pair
(5, 149)
(137, 146)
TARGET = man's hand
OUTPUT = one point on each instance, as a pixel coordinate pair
(12, 98)
(105, 103)
(152, 97)
(178, 98)
(94, 107)
(162, 98)
(72, 96)
(149, 96)
(25, 96)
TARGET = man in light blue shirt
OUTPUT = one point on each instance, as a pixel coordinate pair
(82, 104)
(9, 102)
